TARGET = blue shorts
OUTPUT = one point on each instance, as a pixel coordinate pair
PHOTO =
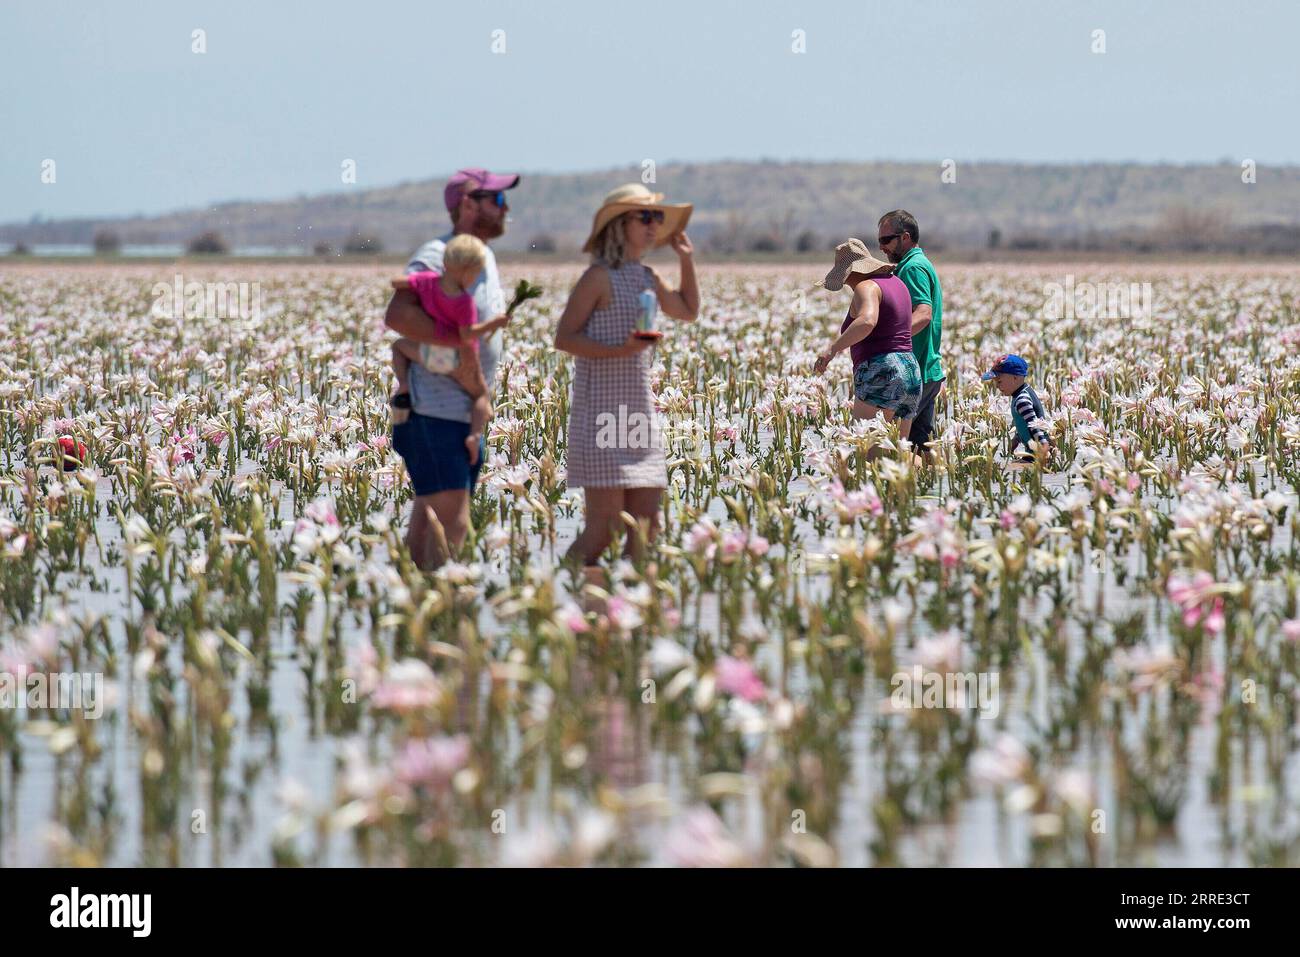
(435, 455)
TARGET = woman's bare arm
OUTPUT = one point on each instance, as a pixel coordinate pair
(866, 303)
(682, 304)
(865, 310)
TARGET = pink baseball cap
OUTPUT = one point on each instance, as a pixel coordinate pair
(465, 180)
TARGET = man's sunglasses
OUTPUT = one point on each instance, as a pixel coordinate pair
(648, 216)
(886, 240)
(497, 196)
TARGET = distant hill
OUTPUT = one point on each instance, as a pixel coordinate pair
(769, 205)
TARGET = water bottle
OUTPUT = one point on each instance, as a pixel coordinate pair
(645, 320)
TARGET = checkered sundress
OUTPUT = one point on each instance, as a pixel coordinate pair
(603, 385)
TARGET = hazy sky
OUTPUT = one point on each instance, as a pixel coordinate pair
(137, 122)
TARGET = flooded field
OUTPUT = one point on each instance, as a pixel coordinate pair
(826, 659)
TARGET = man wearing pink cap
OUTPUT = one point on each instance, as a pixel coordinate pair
(432, 440)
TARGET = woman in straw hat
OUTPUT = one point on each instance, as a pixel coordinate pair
(615, 446)
(878, 334)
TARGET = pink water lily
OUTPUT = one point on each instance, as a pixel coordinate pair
(321, 512)
(623, 614)
(1146, 667)
(431, 762)
(942, 652)
(409, 686)
(700, 839)
(1005, 762)
(849, 505)
(725, 431)
(363, 663)
(1207, 687)
(702, 538)
(573, 618)
(733, 545)
(1197, 600)
(184, 447)
(737, 677)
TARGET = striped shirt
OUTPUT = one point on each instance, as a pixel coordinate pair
(1026, 412)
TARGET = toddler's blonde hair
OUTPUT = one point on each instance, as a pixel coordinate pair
(464, 250)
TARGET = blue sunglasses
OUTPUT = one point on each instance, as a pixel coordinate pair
(497, 196)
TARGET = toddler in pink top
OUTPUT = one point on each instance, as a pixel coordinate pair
(446, 298)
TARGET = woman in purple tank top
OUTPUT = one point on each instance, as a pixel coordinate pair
(878, 334)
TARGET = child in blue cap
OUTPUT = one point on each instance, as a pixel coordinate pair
(1027, 413)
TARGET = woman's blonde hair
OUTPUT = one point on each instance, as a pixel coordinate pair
(610, 245)
(464, 250)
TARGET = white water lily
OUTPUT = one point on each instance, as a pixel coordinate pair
(668, 657)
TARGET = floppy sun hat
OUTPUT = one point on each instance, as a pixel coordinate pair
(634, 196)
(853, 256)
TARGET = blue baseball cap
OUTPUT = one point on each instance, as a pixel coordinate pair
(1008, 365)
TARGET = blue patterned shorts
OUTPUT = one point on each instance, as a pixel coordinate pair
(890, 381)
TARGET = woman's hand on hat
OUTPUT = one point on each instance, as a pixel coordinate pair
(682, 245)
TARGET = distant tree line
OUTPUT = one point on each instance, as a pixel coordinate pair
(107, 243)
(211, 243)
(1181, 229)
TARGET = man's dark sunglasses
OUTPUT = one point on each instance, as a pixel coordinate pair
(649, 216)
(886, 240)
(497, 196)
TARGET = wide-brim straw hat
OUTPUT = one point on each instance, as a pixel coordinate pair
(853, 256)
(634, 196)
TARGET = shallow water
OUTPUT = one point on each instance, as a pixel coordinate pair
(979, 832)
(53, 806)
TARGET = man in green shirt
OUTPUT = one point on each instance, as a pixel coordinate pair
(900, 240)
